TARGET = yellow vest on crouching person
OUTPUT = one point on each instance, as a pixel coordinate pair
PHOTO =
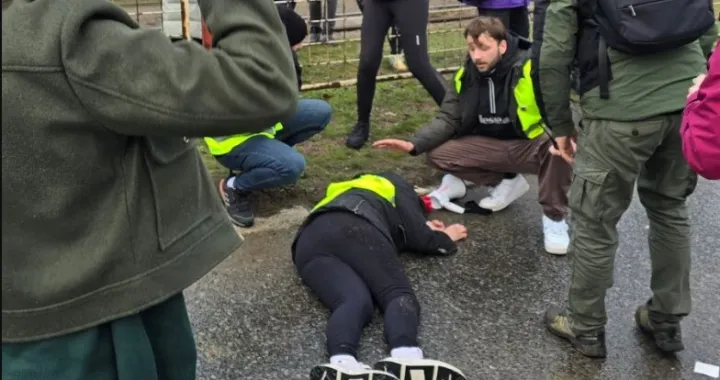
(528, 112)
(221, 145)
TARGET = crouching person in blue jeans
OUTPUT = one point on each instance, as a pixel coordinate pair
(269, 159)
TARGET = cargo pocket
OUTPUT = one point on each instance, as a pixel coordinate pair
(183, 194)
(585, 196)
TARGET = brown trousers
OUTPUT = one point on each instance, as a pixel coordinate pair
(485, 160)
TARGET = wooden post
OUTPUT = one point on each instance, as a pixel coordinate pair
(185, 15)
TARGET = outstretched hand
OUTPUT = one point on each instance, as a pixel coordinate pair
(394, 144)
(456, 232)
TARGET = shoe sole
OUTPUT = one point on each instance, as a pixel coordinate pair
(404, 364)
(238, 223)
(557, 251)
(330, 373)
(516, 194)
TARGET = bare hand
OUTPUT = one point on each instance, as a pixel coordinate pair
(566, 149)
(394, 144)
(456, 232)
(436, 225)
(697, 82)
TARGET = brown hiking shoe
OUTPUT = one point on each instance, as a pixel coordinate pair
(590, 344)
(667, 336)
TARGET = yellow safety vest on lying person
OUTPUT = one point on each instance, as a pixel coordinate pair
(370, 182)
(224, 144)
(528, 112)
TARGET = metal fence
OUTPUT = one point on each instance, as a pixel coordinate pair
(330, 62)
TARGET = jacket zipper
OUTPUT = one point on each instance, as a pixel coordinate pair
(491, 96)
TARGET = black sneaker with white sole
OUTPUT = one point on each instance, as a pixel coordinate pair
(237, 204)
(425, 369)
(335, 372)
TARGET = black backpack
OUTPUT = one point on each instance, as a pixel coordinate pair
(648, 26)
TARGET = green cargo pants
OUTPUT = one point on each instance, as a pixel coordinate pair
(610, 158)
(156, 344)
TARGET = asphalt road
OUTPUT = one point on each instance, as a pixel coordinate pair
(482, 308)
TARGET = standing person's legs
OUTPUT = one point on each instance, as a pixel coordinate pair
(411, 17)
(607, 163)
(519, 22)
(156, 344)
(263, 163)
(663, 187)
(486, 161)
(315, 10)
(502, 14)
(310, 118)
(375, 24)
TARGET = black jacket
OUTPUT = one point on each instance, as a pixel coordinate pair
(404, 224)
(460, 113)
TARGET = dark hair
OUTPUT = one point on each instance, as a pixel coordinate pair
(295, 26)
(492, 26)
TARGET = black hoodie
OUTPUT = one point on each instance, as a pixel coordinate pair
(486, 97)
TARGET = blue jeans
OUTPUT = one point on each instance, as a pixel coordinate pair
(266, 163)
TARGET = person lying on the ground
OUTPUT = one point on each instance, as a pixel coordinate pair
(701, 123)
(268, 159)
(346, 251)
(489, 128)
(96, 255)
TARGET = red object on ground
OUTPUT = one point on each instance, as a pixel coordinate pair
(206, 36)
(427, 203)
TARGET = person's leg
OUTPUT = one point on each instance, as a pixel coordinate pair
(330, 13)
(520, 22)
(607, 163)
(117, 350)
(171, 337)
(411, 17)
(554, 177)
(310, 118)
(663, 187)
(339, 287)
(315, 10)
(502, 14)
(263, 163)
(375, 23)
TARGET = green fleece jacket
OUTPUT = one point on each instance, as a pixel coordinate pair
(641, 86)
(107, 208)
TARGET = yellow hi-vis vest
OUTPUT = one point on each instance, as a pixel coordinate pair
(528, 111)
(378, 185)
(224, 144)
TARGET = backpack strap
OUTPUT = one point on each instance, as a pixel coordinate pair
(603, 69)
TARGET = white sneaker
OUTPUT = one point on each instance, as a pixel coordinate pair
(419, 368)
(505, 193)
(358, 372)
(556, 234)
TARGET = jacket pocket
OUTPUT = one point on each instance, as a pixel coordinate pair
(586, 196)
(183, 194)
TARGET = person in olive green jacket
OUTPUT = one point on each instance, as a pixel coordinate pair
(108, 212)
(631, 136)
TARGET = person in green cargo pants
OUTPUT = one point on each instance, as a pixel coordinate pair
(631, 105)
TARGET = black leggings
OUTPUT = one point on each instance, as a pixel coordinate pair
(352, 267)
(411, 18)
(393, 40)
(514, 19)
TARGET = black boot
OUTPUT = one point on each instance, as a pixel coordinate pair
(238, 205)
(667, 336)
(358, 135)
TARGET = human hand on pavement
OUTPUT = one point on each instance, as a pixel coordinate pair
(394, 144)
(697, 82)
(456, 232)
(566, 148)
(436, 225)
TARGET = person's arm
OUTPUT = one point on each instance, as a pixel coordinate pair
(710, 38)
(701, 125)
(441, 128)
(554, 39)
(135, 81)
(419, 237)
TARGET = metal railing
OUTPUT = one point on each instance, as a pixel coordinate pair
(332, 62)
